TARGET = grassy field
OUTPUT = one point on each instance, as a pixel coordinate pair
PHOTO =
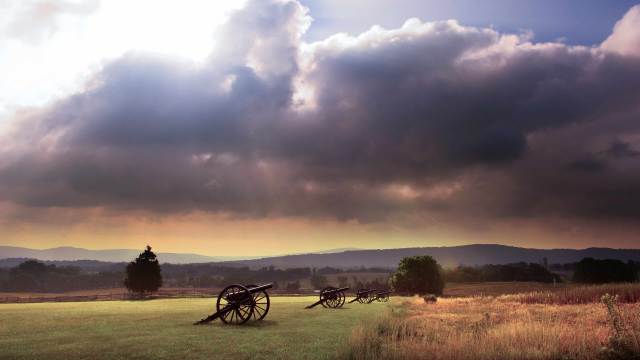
(474, 321)
(162, 329)
(569, 323)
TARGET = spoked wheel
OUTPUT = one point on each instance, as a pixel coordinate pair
(260, 304)
(383, 298)
(238, 305)
(335, 300)
(372, 297)
(363, 300)
(332, 299)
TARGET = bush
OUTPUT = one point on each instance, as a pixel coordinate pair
(418, 275)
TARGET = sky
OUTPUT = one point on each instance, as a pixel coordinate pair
(265, 127)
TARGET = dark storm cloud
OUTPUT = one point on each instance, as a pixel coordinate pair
(428, 118)
(621, 149)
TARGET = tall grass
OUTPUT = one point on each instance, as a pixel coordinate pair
(488, 328)
(625, 293)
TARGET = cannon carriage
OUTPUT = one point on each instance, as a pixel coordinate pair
(367, 296)
(363, 296)
(331, 297)
(382, 296)
(237, 304)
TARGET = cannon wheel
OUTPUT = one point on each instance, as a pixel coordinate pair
(261, 303)
(383, 298)
(241, 310)
(325, 296)
(334, 300)
(363, 300)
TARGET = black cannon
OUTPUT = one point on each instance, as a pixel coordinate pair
(237, 304)
(331, 297)
(382, 296)
(362, 296)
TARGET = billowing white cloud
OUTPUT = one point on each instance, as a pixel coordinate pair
(427, 119)
(625, 38)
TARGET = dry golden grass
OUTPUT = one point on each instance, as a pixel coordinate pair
(625, 293)
(488, 328)
(498, 288)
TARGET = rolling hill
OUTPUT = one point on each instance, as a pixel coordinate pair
(116, 255)
(480, 254)
(447, 256)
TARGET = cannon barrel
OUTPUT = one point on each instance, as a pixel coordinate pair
(252, 290)
(365, 291)
(328, 292)
(385, 292)
(255, 289)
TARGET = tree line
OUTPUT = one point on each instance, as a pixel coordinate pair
(36, 276)
(508, 272)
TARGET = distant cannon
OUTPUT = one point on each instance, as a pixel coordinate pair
(237, 304)
(382, 296)
(362, 296)
(331, 297)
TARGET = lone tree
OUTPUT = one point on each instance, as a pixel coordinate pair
(143, 274)
(418, 275)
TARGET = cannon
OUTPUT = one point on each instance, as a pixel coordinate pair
(382, 296)
(330, 297)
(237, 304)
(362, 296)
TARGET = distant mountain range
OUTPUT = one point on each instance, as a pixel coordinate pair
(447, 256)
(116, 255)
(19, 254)
(338, 258)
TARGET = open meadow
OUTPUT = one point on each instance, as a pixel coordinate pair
(541, 322)
(162, 329)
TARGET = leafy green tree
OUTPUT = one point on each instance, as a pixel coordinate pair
(418, 275)
(144, 274)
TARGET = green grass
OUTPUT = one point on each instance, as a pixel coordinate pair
(162, 329)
